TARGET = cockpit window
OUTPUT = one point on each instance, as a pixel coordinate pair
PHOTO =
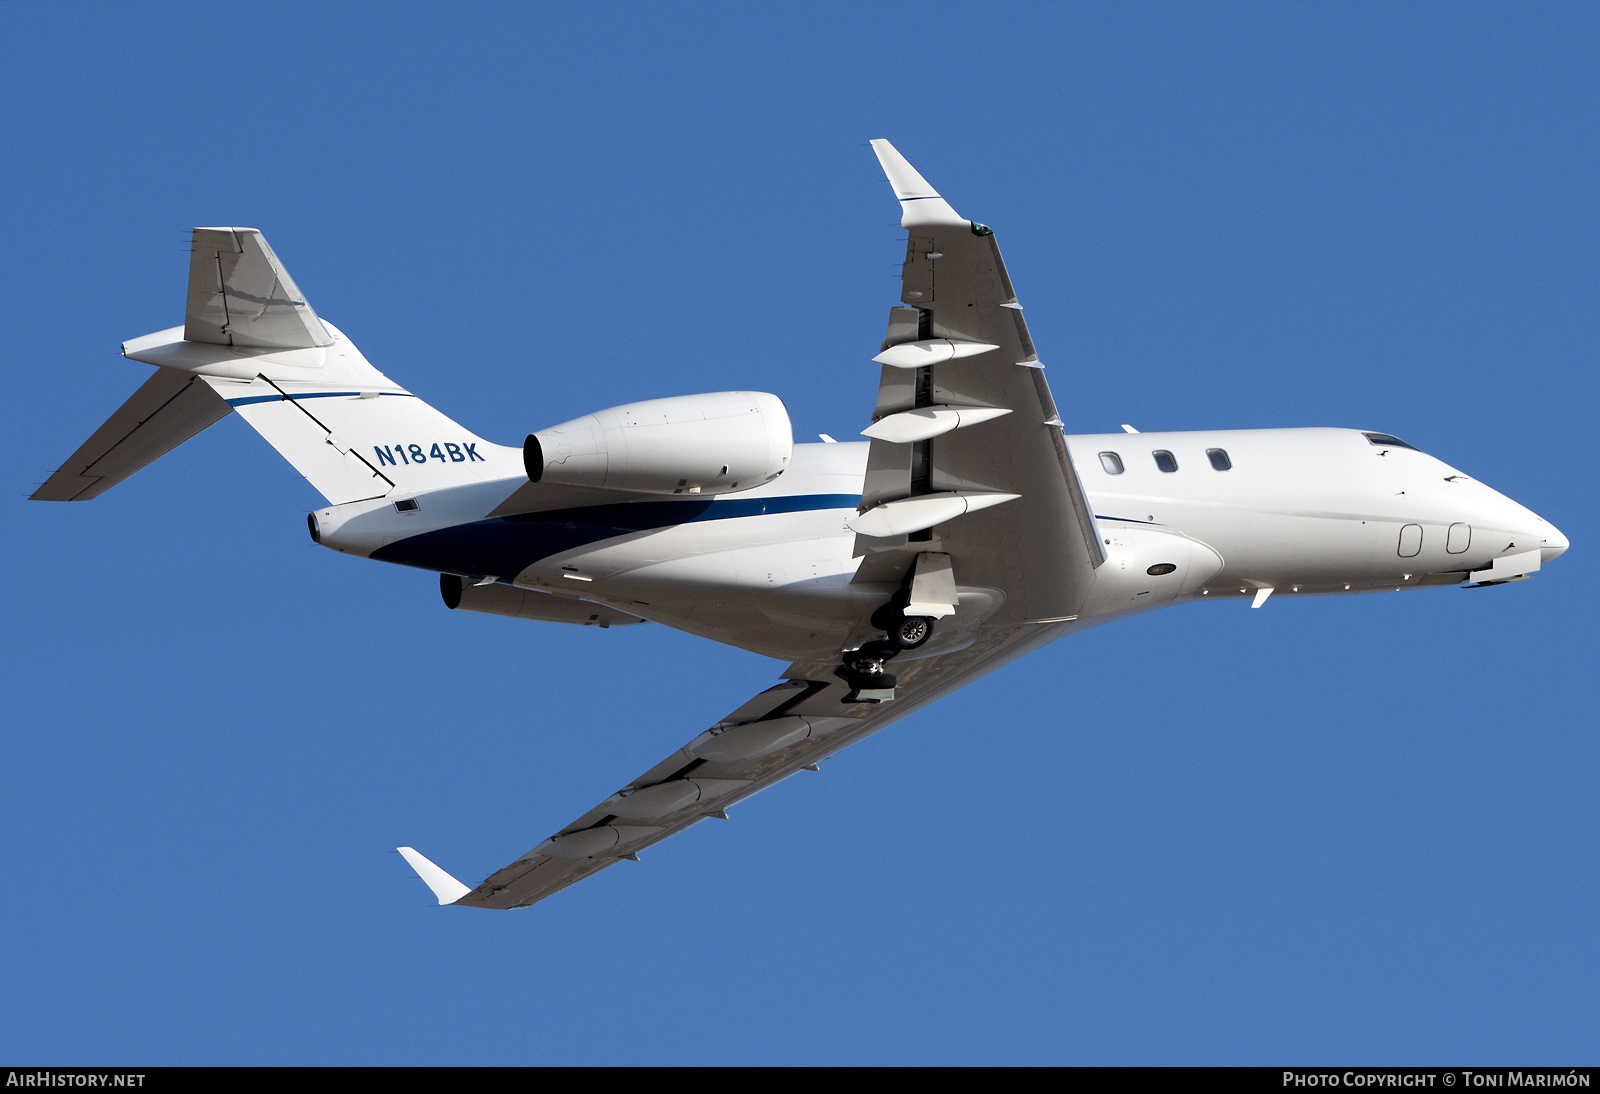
(1219, 459)
(1389, 440)
(1165, 460)
(1111, 462)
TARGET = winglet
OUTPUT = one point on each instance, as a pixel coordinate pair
(920, 204)
(445, 887)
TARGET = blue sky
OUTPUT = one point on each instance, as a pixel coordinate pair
(1324, 831)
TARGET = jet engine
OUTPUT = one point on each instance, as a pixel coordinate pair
(689, 444)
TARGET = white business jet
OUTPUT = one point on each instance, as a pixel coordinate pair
(968, 530)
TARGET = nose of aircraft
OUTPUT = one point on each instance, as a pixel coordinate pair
(1526, 527)
(1486, 510)
(1552, 544)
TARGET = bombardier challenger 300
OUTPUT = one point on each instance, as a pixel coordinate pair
(967, 530)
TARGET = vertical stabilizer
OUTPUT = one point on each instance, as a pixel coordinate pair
(251, 342)
(240, 295)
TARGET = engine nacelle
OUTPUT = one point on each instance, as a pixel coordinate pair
(689, 444)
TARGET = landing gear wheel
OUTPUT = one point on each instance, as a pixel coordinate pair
(863, 668)
(911, 631)
(879, 649)
(860, 680)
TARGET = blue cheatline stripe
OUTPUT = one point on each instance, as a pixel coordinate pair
(507, 545)
(307, 395)
(762, 507)
(1124, 520)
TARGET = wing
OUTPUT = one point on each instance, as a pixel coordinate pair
(969, 492)
(785, 729)
(965, 420)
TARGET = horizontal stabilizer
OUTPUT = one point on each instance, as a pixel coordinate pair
(167, 410)
(445, 887)
(240, 295)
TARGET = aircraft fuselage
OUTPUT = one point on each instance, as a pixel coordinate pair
(1182, 515)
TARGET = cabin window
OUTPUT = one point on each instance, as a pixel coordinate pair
(1165, 460)
(1111, 462)
(1388, 440)
(1410, 540)
(1219, 459)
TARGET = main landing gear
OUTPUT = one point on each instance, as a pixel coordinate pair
(863, 668)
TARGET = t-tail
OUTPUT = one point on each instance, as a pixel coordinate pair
(250, 342)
